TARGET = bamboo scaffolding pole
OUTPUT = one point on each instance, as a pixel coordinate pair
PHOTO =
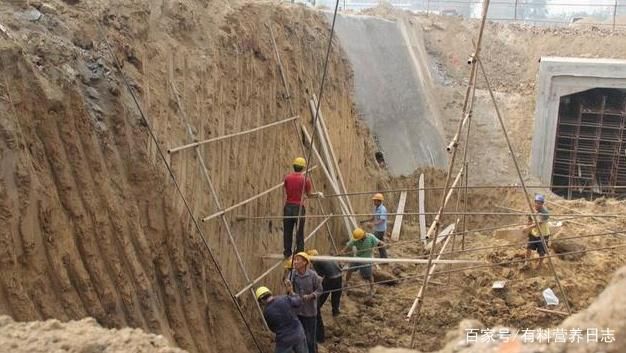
(326, 135)
(296, 128)
(246, 201)
(521, 178)
(552, 311)
(273, 267)
(391, 245)
(473, 73)
(399, 190)
(378, 260)
(608, 215)
(350, 223)
(219, 138)
(205, 173)
(420, 293)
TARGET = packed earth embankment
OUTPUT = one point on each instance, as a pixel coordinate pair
(91, 222)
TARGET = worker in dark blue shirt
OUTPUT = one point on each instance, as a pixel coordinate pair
(331, 283)
(280, 315)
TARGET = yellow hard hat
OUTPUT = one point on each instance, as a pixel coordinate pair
(305, 256)
(262, 292)
(358, 234)
(312, 252)
(378, 197)
(300, 162)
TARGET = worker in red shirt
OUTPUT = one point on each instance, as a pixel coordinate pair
(296, 185)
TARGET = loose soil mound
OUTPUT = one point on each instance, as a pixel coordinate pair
(84, 336)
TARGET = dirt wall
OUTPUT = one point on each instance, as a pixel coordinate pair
(91, 223)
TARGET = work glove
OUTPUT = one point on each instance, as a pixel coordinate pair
(320, 194)
(308, 297)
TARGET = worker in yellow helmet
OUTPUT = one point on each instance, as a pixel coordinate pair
(378, 222)
(280, 314)
(364, 244)
(296, 185)
(308, 285)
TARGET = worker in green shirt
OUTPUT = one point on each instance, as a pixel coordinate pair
(364, 244)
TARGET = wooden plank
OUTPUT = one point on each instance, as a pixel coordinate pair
(378, 260)
(342, 185)
(397, 224)
(442, 235)
(422, 209)
(349, 222)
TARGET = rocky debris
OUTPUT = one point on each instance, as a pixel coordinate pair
(607, 312)
(384, 277)
(566, 248)
(84, 336)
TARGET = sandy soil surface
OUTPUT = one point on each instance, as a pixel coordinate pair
(606, 316)
(84, 336)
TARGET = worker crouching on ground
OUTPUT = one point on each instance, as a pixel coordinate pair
(308, 285)
(331, 283)
(296, 185)
(364, 243)
(280, 315)
(534, 232)
(378, 223)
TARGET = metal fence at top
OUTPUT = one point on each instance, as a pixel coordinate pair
(537, 12)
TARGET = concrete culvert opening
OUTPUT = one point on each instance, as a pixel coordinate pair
(589, 157)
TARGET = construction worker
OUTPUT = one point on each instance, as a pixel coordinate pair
(280, 315)
(364, 243)
(534, 232)
(331, 282)
(295, 184)
(308, 285)
(378, 223)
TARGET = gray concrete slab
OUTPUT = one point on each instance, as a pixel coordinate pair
(392, 89)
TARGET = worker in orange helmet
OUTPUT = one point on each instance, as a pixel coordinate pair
(378, 222)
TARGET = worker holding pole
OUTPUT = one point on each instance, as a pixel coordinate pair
(364, 244)
(378, 222)
(280, 315)
(308, 285)
(296, 184)
(535, 233)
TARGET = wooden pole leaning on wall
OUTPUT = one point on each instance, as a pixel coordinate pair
(273, 267)
(219, 138)
(295, 125)
(246, 201)
(348, 219)
(335, 161)
(205, 173)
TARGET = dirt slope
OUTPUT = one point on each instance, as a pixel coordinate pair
(91, 224)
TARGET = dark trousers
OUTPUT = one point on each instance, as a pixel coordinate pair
(335, 298)
(382, 252)
(288, 225)
(309, 325)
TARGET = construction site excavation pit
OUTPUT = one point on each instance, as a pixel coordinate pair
(144, 146)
